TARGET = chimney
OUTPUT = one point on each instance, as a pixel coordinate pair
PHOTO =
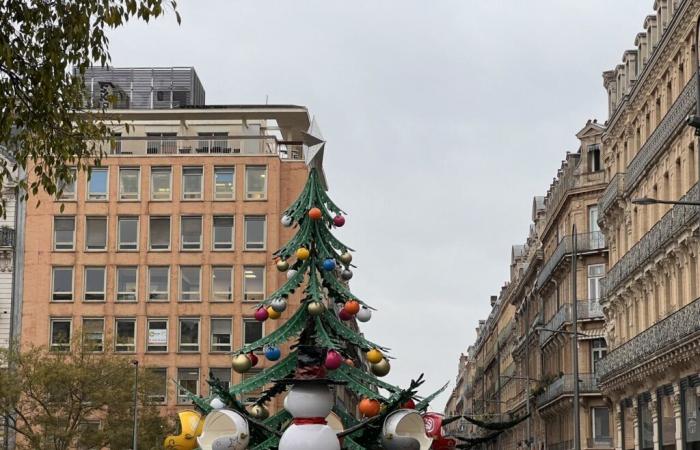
(493, 300)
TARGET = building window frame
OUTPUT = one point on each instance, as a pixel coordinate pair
(158, 399)
(224, 194)
(254, 295)
(214, 345)
(93, 247)
(161, 171)
(222, 296)
(244, 328)
(190, 245)
(159, 295)
(124, 245)
(189, 347)
(223, 245)
(190, 171)
(129, 196)
(130, 345)
(126, 296)
(87, 338)
(255, 195)
(182, 394)
(62, 296)
(64, 344)
(190, 295)
(160, 247)
(154, 341)
(71, 195)
(90, 295)
(256, 246)
(60, 245)
(96, 195)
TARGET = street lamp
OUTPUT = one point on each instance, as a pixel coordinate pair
(136, 399)
(574, 339)
(653, 201)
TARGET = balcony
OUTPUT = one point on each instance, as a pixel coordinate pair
(587, 309)
(198, 145)
(660, 235)
(564, 386)
(7, 238)
(505, 333)
(611, 194)
(664, 334)
(585, 243)
(599, 442)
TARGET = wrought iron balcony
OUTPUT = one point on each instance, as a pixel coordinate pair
(662, 335)
(587, 309)
(672, 122)
(585, 242)
(611, 194)
(505, 333)
(7, 237)
(663, 232)
(564, 386)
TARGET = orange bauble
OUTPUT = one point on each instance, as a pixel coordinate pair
(369, 407)
(315, 214)
(350, 362)
(352, 307)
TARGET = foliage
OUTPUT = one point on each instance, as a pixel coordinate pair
(56, 399)
(42, 118)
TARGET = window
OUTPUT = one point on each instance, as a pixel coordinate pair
(62, 284)
(255, 232)
(221, 335)
(189, 335)
(222, 234)
(64, 233)
(256, 182)
(190, 283)
(127, 278)
(125, 335)
(252, 331)
(94, 284)
(157, 338)
(189, 380)
(128, 233)
(158, 393)
(224, 182)
(191, 183)
(601, 425)
(596, 272)
(98, 183)
(160, 233)
(94, 334)
(67, 190)
(598, 350)
(95, 233)
(191, 233)
(222, 374)
(129, 178)
(253, 283)
(159, 283)
(161, 183)
(222, 284)
(252, 396)
(60, 335)
(594, 164)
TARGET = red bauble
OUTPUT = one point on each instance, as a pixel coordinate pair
(339, 221)
(344, 315)
(333, 360)
(410, 404)
(253, 359)
(352, 307)
(315, 214)
(261, 314)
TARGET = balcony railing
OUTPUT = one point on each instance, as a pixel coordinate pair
(659, 139)
(663, 232)
(664, 334)
(600, 442)
(7, 237)
(587, 309)
(564, 445)
(505, 333)
(199, 145)
(564, 385)
(611, 194)
(585, 242)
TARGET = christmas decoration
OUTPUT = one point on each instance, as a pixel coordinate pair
(344, 315)
(339, 221)
(316, 308)
(333, 360)
(260, 412)
(303, 253)
(329, 264)
(217, 403)
(286, 221)
(346, 258)
(291, 273)
(404, 430)
(350, 362)
(282, 265)
(315, 214)
(224, 430)
(272, 314)
(190, 425)
(272, 353)
(381, 368)
(374, 356)
(364, 314)
(253, 359)
(410, 404)
(346, 274)
(352, 307)
(279, 305)
(369, 407)
(241, 363)
(261, 314)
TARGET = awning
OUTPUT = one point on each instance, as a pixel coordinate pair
(598, 333)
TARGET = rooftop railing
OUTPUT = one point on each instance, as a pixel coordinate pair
(564, 385)
(585, 242)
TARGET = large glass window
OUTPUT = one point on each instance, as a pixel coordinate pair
(598, 350)
(692, 410)
(188, 379)
(96, 233)
(189, 335)
(255, 232)
(224, 183)
(159, 283)
(129, 183)
(157, 338)
(222, 284)
(62, 281)
(646, 425)
(253, 283)
(252, 331)
(159, 233)
(94, 284)
(221, 335)
(596, 272)
(191, 233)
(128, 233)
(98, 184)
(668, 419)
(256, 182)
(161, 185)
(60, 335)
(190, 283)
(125, 335)
(601, 427)
(158, 393)
(94, 334)
(67, 190)
(127, 287)
(222, 233)
(191, 183)
(64, 233)
(628, 425)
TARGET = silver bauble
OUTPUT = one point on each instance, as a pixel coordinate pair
(291, 273)
(286, 221)
(241, 363)
(282, 265)
(278, 304)
(217, 403)
(382, 368)
(364, 314)
(316, 308)
(346, 274)
(260, 412)
(346, 258)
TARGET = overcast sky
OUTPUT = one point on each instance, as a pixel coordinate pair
(443, 119)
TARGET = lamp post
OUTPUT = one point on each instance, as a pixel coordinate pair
(574, 339)
(136, 399)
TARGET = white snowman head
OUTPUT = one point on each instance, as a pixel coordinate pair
(309, 400)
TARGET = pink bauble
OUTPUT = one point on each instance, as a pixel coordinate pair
(344, 315)
(333, 360)
(261, 314)
(339, 221)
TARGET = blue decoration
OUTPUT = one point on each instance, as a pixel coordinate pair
(329, 264)
(272, 353)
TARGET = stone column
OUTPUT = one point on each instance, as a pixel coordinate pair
(677, 415)
(636, 419)
(653, 405)
(618, 427)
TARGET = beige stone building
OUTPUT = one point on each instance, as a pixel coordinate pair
(651, 373)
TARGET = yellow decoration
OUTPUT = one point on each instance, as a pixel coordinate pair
(374, 356)
(303, 253)
(190, 425)
(272, 314)
(241, 363)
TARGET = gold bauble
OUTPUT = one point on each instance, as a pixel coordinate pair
(303, 253)
(374, 356)
(382, 368)
(260, 412)
(241, 363)
(272, 314)
(282, 265)
(346, 258)
(316, 308)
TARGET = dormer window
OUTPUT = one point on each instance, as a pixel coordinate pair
(594, 164)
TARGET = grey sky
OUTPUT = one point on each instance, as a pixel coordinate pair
(443, 120)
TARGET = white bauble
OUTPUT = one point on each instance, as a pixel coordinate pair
(309, 437)
(286, 221)
(364, 314)
(279, 304)
(224, 429)
(217, 403)
(312, 400)
(291, 273)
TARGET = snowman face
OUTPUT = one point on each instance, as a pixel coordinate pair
(309, 401)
